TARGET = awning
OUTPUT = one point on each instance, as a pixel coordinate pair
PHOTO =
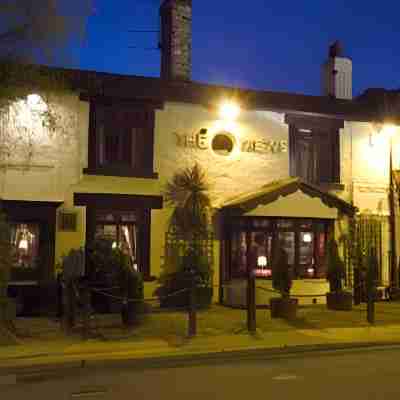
(297, 200)
(117, 192)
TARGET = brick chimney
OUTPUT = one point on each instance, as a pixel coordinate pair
(337, 78)
(176, 39)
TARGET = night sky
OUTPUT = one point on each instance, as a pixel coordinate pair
(271, 45)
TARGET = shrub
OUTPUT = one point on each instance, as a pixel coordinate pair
(112, 268)
(336, 268)
(281, 276)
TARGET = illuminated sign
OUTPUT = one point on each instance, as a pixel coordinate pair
(223, 143)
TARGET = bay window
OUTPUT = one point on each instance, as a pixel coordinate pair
(253, 241)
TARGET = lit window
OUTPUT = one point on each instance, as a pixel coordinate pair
(25, 239)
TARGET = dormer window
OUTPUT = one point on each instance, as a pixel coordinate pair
(121, 139)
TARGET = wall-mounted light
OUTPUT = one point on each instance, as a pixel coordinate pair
(114, 245)
(36, 103)
(229, 111)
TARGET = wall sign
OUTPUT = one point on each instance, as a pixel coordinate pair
(223, 143)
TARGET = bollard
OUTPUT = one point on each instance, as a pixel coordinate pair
(251, 303)
(86, 312)
(192, 325)
(371, 286)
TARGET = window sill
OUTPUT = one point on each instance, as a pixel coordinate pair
(120, 171)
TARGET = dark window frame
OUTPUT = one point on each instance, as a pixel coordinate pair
(143, 155)
(322, 137)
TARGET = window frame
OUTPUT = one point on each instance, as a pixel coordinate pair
(246, 225)
(144, 153)
(324, 133)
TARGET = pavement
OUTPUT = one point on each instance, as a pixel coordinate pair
(273, 340)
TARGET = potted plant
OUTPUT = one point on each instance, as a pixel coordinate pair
(284, 306)
(187, 260)
(337, 298)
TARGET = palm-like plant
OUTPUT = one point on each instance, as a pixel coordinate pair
(187, 192)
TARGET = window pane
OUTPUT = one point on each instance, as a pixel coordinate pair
(287, 241)
(261, 254)
(239, 255)
(261, 223)
(25, 239)
(284, 223)
(306, 224)
(306, 268)
(107, 231)
(320, 255)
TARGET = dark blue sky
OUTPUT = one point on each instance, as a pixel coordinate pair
(272, 45)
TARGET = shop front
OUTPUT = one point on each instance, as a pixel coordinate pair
(290, 214)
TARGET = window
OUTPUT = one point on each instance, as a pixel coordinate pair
(304, 241)
(25, 239)
(314, 146)
(121, 140)
(121, 228)
(67, 222)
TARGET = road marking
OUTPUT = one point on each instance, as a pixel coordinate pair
(8, 379)
(285, 378)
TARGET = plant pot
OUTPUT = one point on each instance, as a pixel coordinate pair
(203, 295)
(341, 301)
(8, 310)
(283, 307)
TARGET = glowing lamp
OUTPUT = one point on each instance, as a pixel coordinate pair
(262, 261)
(229, 111)
(307, 238)
(114, 245)
(23, 244)
(389, 130)
(310, 270)
(35, 102)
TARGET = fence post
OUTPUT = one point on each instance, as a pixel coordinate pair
(371, 286)
(192, 326)
(251, 302)
(86, 310)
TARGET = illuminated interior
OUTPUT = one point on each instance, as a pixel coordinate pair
(25, 240)
(253, 240)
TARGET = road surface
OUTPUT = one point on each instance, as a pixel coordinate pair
(364, 374)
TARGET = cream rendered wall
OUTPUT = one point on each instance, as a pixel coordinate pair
(296, 205)
(55, 166)
(228, 175)
(365, 173)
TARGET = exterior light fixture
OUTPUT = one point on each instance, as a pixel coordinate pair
(36, 103)
(114, 245)
(389, 130)
(229, 111)
(307, 238)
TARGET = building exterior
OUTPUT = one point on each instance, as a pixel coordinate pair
(282, 166)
